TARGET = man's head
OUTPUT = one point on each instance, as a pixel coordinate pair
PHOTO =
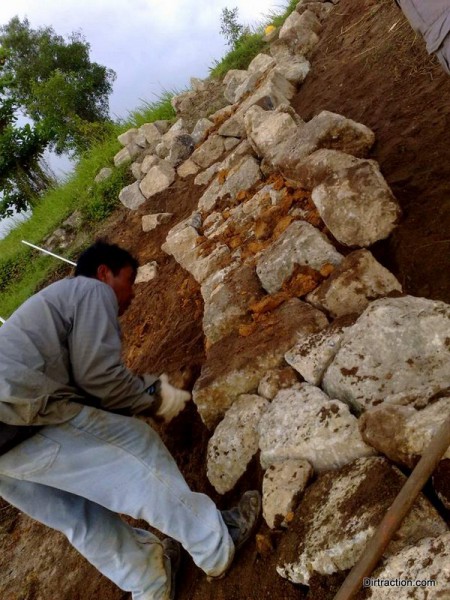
(114, 266)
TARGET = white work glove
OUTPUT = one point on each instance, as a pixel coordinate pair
(173, 400)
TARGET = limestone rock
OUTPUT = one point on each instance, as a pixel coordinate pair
(103, 174)
(301, 31)
(135, 169)
(427, 560)
(241, 177)
(149, 161)
(261, 64)
(150, 222)
(209, 152)
(306, 424)
(232, 81)
(320, 9)
(228, 305)
(217, 278)
(200, 129)
(283, 486)
(250, 357)
(358, 280)
(132, 136)
(158, 179)
(357, 205)
(402, 432)
(299, 244)
(267, 129)
(231, 143)
(185, 244)
(326, 130)
(314, 353)
(122, 157)
(152, 134)
(131, 196)
(180, 149)
(147, 272)
(295, 71)
(339, 514)
(397, 352)
(205, 176)
(187, 169)
(275, 380)
(234, 442)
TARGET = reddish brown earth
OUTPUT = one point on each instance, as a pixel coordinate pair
(368, 66)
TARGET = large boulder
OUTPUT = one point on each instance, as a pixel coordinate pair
(232, 80)
(427, 563)
(153, 135)
(234, 442)
(209, 152)
(266, 129)
(396, 352)
(301, 31)
(250, 356)
(304, 424)
(300, 244)
(358, 280)
(158, 179)
(357, 205)
(131, 196)
(339, 514)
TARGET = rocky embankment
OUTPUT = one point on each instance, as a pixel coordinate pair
(316, 358)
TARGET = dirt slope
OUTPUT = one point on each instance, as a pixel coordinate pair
(368, 66)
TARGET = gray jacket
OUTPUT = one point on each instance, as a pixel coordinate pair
(62, 349)
(431, 18)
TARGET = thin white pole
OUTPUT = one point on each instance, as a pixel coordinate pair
(2, 320)
(48, 252)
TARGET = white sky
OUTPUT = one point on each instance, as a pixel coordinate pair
(152, 45)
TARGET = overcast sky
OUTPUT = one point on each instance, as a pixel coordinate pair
(152, 45)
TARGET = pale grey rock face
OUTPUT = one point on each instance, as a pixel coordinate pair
(200, 129)
(301, 31)
(313, 354)
(402, 432)
(128, 136)
(183, 242)
(261, 64)
(231, 143)
(232, 81)
(306, 424)
(320, 9)
(103, 174)
(282, 487)
(241, 177)
(295, 71)
(267, 129)
(275, 380)
(180, 149)
(188, 168)
(320, 166)
(325, 130)
(122, 157)
(250, 357)
(206, 176)
(357, 205)
(217, 278)
(247, 86)
(396, 352)
(209, 152)
(158, 179)
(150, 222)
(234, 442)
(340, 516)
(300, 244)
(228, 306)
(149, 161)
(135, 169)
(428, 559)
(358, 280)
(198, 85)
(147, 272)
(131, 196)
(152, 134)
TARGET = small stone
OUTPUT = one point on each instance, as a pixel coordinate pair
(147, 272)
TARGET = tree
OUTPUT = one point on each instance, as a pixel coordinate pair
(54, 83)
(23, 175)
(230, 28)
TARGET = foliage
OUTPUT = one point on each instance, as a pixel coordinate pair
(54, 83)
(230, 28)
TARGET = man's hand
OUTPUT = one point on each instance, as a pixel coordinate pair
(173, 400)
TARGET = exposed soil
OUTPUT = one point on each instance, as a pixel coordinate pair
(364, 68)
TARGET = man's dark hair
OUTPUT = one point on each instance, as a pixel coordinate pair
(102, 253)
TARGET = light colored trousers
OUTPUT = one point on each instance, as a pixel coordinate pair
(75, 477)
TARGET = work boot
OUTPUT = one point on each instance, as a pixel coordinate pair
(172, 559)
(242, 519)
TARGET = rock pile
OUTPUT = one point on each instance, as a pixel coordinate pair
(315, 358)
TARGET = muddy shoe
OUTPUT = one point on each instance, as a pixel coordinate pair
(241, 520)
(172, 559)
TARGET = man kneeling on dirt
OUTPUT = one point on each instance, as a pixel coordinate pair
(71, 459)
